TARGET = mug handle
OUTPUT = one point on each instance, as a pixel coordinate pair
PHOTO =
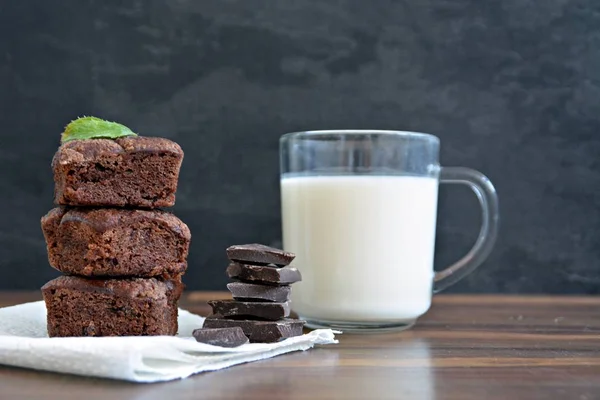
(486, 194)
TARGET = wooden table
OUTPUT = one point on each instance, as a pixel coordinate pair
(466, 347)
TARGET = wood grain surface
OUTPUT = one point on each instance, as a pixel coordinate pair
(466, 347)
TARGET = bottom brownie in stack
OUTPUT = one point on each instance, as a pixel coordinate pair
(111, 307)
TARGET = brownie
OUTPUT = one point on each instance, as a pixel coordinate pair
(131, 171)
(114, 307)
(113, 242)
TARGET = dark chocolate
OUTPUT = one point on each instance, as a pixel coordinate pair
(250, 309)
(263, 274)
(250, 291)
(259, 254)
(259, 331)
(224, 337)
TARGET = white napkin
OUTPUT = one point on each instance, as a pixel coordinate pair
(24, 342)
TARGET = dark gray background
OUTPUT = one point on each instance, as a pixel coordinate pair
(511, 87)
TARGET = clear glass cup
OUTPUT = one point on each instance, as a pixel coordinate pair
(359, 210)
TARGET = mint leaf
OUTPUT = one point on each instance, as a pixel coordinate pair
(94, 128)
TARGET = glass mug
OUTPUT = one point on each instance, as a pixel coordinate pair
(359, 210)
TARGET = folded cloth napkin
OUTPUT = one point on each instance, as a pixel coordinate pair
(24, 342)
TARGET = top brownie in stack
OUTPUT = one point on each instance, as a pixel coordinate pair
(133, 171)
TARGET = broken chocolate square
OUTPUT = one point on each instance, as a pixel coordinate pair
(259, 331)
(250, 309)
(259, 254)
(224, 337)
(252, 292)
(263, 274)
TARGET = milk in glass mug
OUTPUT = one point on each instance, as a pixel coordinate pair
(359, 211)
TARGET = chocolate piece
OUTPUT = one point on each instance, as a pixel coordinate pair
(263, 274)
(224, 337)
(112, 242)
(259, 254)
(111, 307)
(132, 171)
(259, 331)
(250, 291)
(250, 309)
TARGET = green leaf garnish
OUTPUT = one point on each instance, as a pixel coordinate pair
(94, 128)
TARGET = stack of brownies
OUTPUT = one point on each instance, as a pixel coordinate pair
(123, 258)
(261, 294)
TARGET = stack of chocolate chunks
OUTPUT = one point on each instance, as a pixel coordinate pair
(261, 298)
(122, 257)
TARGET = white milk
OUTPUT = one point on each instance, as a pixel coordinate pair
(364, 245)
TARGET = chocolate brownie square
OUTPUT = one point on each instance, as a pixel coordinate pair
(131, 171)
(113, 242)
(113, 307)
